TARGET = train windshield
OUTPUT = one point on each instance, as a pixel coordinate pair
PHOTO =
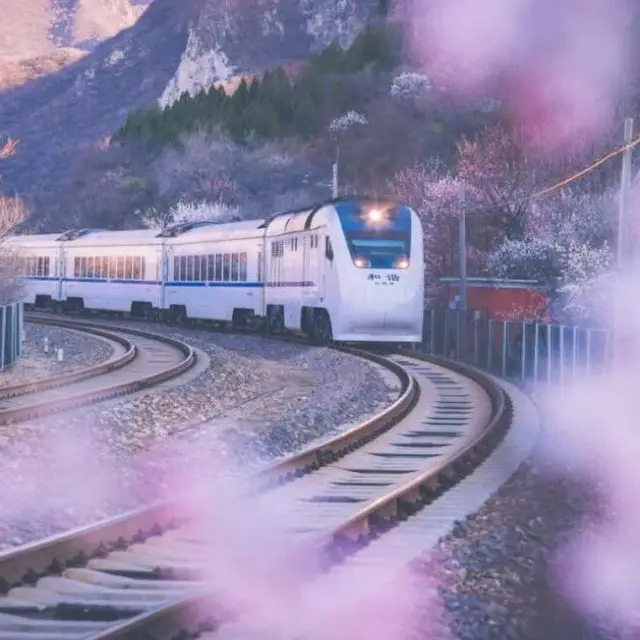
(377, 237)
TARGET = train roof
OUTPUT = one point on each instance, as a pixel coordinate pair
(29, 239)
(211, 230)
(94, 237)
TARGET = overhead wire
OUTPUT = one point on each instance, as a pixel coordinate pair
(570, 179)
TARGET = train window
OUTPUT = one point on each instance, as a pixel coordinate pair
(90, 267)
(176, 268)
(183, 268)
(218, 267)
(83, 267)
(137, 268)
(113, 267)
(197, 268)
(97, 267)
(243, 267)
(277, 249)
(188, 276)
(211, 267)
(46, 267)
(234, 267)
(143, 268)
(76, 267)
(105, 267)
(203, 268)
(39, 267)
(128, 268)
(121, 268)
(226, 263)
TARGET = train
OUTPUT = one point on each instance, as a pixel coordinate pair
(350, 269)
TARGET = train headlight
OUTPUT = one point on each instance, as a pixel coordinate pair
(401, 263)
(375, 215)
(361, 263)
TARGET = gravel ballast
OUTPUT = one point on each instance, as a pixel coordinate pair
(258, 400)
(495, 572)
(80, 350)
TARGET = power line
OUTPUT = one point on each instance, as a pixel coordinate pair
(562, 183)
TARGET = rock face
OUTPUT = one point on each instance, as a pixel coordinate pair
(31, 28)
(175, 46)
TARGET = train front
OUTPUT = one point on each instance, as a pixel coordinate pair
(382, 282)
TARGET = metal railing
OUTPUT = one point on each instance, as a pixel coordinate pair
(522, 351)
(11, 330)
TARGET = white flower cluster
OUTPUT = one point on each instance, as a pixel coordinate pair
(184, 212)
(343, 123)
(409, 84)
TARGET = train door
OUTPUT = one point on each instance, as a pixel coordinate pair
(307, 290)
(59, 271)
(162, 257)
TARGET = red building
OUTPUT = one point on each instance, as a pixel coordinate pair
(525, 300)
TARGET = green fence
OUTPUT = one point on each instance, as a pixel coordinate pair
(524, 351)
(11, 328)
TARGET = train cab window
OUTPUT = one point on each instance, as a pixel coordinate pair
(234, 267)
(218, 267)
(243, 267)
(226, 267)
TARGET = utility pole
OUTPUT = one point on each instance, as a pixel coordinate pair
(624, 259)
(462, 256)
(625, 186)
(335, 173)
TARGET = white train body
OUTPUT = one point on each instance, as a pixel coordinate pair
(350, 269)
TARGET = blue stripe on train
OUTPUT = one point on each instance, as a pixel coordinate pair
(243, 285)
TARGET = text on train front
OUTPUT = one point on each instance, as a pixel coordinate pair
(378, 235)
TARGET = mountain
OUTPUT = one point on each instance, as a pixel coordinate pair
(175, 46)
(32, 28)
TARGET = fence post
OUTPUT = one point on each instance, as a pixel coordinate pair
(561, 354)
(549, 353)
(4, 337)
(433, 329)
(574, 352)
(536, 345)
(504, 348)
(490, 346)
(523, 353)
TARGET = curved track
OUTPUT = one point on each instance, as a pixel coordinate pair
(141, 359)
(139, 575)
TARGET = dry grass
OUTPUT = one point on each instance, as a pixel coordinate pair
(25, 25)
(14, 73)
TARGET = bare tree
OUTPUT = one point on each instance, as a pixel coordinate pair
(13, 213)
(8, 149)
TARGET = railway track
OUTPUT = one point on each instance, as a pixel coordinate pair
(140, 575)
(141, 359)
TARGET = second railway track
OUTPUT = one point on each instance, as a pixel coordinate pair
(140, 575)
(141, 359)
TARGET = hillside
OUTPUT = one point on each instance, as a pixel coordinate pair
(33, 28)
(175, 46)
